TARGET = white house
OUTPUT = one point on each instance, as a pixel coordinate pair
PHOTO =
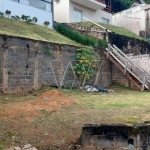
(136, 19)
(42, 9)
(74, 10)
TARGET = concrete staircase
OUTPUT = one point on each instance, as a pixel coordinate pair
(130, 69)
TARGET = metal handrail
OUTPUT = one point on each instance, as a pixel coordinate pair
(130, 59)
(147, 76)
(123, 65)
(132, 68)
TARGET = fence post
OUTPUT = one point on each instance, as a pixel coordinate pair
(108, 51)
(126, 66)
(143, 84)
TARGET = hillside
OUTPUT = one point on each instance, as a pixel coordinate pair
(32, 31)
(118, 30)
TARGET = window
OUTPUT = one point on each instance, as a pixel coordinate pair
(44, 5)
(105, 20)
(77, 15)
(40, 4)
(26, 2)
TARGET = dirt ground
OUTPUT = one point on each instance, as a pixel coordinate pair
(49, 101)
(50, 119)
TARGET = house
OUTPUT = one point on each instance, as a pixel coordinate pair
(42, 9)
(136, 19)
(74, 10)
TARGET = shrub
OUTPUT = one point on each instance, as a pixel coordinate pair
(23, 17)
(1, 14)
(46, 23)
(8, 12)
(15, 17)
(80, 38)
(26, 18)
(35, 19)
(84, 57)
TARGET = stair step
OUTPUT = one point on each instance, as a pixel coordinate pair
(132, 75)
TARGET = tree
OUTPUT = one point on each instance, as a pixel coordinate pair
(119, 5)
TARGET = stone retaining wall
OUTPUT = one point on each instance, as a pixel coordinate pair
(91, 31)
(25, 64)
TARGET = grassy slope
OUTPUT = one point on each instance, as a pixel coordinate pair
(118, 30)
(22, 29)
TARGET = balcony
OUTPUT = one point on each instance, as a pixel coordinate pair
(92, 4)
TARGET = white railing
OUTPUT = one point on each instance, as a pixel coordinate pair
(129, 66)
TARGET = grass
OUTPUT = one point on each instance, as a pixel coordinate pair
(57, 129)
(32, 31)
(118, 30)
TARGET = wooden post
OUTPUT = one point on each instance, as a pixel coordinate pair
(126, 67)
(143, 84)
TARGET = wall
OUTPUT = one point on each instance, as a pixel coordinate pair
(126, 44)
(127, 18)
(26, 66)
(142, 60)
(61, 11)
(1, 74)
(147, 14)
(89, 13)
(114, 136)
(20, 9)
(94, 31)
(129, 45)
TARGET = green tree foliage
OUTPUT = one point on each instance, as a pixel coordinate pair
(119, 5)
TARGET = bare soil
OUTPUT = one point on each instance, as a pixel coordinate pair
(49, 101)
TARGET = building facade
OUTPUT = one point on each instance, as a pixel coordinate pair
(135, 19)
(74, 10)
(42, 9)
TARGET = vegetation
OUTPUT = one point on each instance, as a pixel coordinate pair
(58, 129)
(32, 31)
(80, 38)
(119, 5)
(47, 51)
(35, 19)
(117, 30)
(8, 13)
(1, 14)
(23, 17)
(15, 17)
(84, 66)
(46, 23)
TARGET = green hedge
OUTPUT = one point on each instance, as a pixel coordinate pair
(80, 38)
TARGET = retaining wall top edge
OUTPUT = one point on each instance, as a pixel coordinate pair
(25, 38)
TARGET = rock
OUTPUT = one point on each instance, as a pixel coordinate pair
(27, 146)
(17, 148)
(33, 148)
(10, 149)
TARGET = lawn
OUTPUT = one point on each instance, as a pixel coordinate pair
(49, 129)
(118, 30)
(32, 31)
